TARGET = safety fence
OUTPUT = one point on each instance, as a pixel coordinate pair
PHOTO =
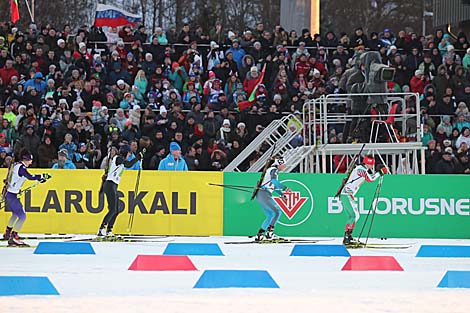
(177, 203)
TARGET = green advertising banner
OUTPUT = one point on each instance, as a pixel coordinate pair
(409, 206)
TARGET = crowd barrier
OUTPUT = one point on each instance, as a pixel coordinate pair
(409, 206)
(167, 203)
(183, 203)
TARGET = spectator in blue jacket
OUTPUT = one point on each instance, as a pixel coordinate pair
(237, 52)
(63, 162)
(174, 161)
(36, 82)
(134, 147)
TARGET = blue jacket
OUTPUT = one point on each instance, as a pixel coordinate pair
(70, 147)
(136, 166)
(68, 165)
(238, 55)
(169, 164)
(39, 86)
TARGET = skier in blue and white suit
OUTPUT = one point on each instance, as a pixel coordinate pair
(264, 196)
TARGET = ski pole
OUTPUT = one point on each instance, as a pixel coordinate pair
(375, 209)
(136, 190)
(370, 209)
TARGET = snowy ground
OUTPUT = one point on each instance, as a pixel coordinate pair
(307, 284)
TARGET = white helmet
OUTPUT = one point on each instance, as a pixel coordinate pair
(279, 161)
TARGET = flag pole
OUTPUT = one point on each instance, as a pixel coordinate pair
(31, 14)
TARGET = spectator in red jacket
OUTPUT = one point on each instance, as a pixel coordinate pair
(418, 82)
(250, 81)
(302, 66)
(7, 72)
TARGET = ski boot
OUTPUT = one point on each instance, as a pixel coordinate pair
(15, 240)
(260, 236)
(7, 233)
(101, 232)
(348, 239)
(110, 236)
(270, 235)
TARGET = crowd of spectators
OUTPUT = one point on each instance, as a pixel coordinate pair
(69, 96)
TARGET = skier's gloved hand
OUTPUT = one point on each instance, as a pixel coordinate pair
(383, 171)
(44, 178)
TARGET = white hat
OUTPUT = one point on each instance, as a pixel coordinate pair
(241, 124)
(279, 161)
(226, 121)
(163, 109)
(104, 107)
(253, 69)
(419, 72)
(393, 47)
(82, 45)
(60, 41)
(62, 101)
(315, 71)
(277, 97)
(120, 82)
(231, 34)
(214, 44)
(148, 54)
(257, 43)
(136, 107)
(450, 47)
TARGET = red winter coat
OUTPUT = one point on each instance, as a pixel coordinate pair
(302, 68)
(320, 67)
(7, 74)
(417, 85)
(249, 84)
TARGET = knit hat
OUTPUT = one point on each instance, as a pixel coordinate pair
(174, 147)
(226, 121)
(163, 109)
(63, 152)
(450, 48)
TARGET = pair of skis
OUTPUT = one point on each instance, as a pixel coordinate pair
(276, 241)
(362, 245)
(118, 238)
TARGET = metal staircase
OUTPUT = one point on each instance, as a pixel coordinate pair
(276, 136)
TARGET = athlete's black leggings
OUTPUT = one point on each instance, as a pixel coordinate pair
(110, 190)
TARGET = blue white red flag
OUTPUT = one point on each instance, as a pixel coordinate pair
(108, 15)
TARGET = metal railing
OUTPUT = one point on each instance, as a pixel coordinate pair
(276, 136)
(401, 157)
